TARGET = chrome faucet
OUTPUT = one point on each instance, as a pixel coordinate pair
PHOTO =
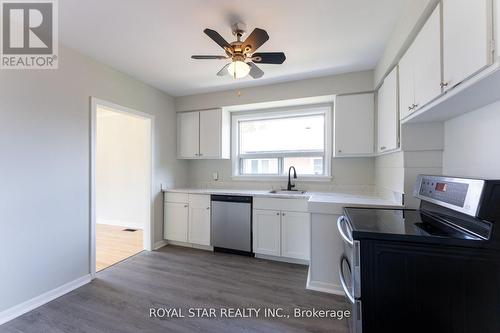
(290, 185)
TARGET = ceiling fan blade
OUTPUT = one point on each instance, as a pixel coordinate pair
(208, 57)
(216, 37)
(255, 71)
(223, 70)
(255, 40)
(268, 58)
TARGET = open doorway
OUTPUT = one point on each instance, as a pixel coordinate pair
(121, 178)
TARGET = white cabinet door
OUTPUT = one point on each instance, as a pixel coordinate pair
(354, 124)
(295, 235)
(199, 219)
(188, 135)
(210, 133)
(467, 37)
(407, 82)
(427, 61)
(176, 221)
(388, 118)
(267, 232)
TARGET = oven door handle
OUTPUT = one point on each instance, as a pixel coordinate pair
(340, 221)
(342, 280)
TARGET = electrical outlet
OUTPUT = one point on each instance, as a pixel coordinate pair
(215, 176)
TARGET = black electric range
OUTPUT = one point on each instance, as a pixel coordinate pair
(434, 269)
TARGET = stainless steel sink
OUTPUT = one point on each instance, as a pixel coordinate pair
(287, 192)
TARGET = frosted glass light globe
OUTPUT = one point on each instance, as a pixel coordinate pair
(238, 69)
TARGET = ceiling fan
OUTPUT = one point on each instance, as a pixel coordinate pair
(242, 53)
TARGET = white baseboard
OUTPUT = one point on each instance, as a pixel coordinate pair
(194, 246)
(323, 287)
(20, 309)
(120, 223)
(282, 259)
(159, 244)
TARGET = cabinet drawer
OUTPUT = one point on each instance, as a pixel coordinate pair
(176, 197)
(293, 205)
(199, 200)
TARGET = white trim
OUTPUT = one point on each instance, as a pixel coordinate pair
(323, 287)
(149, 227)
(302, 110)
(191, 245)
(160, 244)
(120, 223)
(20, 309)
(282, 259)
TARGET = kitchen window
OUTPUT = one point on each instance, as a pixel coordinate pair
(266, 143)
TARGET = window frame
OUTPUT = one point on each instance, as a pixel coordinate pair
(277, 113)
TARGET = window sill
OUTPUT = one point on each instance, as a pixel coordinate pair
(283, 178)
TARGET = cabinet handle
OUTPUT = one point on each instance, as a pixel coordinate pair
(200, 154)
(340, 150)
(410, 108)
(208, 208)
(414, 106)
(185, 206)
(278, 214)
(283, 214)
(383, 148)
(443, 84)
(196, 154)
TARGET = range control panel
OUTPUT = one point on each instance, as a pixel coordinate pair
(444, 191)
(460, 194)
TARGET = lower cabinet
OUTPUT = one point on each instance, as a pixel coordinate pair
(281, 233)
(295, 235)
(187, 218)
(199, 219)
(176, 221)
(266, 232)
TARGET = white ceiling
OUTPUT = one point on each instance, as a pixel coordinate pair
(152, 40)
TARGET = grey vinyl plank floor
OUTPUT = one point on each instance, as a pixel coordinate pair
(120, 298)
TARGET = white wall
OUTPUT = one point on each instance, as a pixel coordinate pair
(356, 172)
(348, 174)
(122, 169)
(421, 153)
(44, 168)
(328, 85)
(472, 144)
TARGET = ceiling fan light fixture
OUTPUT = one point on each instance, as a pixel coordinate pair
(238, 69)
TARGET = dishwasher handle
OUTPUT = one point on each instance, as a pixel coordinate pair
(232, 198)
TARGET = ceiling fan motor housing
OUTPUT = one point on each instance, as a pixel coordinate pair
(239, 28)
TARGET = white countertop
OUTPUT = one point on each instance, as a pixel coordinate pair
(318, 202)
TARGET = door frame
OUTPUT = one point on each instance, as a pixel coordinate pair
(148, 233)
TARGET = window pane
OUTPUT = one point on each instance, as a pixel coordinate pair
(259, 166)
(304, 165)
(301, 133)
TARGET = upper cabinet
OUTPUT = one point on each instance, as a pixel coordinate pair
(467, 39)
(203, 134)
(388, 115)
(420, 67)
(188, 140)
(354, 120)
(450, 67)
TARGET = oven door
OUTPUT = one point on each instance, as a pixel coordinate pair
(351, 257)
(355, 320)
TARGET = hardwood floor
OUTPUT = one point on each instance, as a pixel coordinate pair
(113, 244)
(120, 298)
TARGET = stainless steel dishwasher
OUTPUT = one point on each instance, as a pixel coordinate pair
(232, 224)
